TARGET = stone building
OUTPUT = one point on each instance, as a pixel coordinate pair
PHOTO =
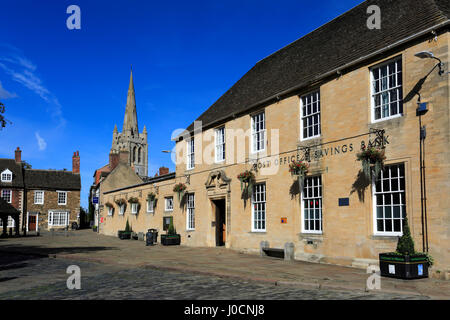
(130, 139)
(46, 199)
(322, 100)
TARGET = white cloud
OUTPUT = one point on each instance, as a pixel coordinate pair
(4, 94)
(22, 70)
(41, 142)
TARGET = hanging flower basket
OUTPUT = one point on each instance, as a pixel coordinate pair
(109, 204)
(371, 157)
(180, 189)
(120, 202)
(151, 197)
(133, 200)
(298, 169)
(247, 179)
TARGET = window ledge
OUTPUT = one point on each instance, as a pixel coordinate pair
(257, 232)
(384, 237)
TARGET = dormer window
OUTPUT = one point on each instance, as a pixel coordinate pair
(6, 176)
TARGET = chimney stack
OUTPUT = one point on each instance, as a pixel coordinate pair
(163, 170)
(76, 162)
(113, 160)
(124, 155)
(18, 155)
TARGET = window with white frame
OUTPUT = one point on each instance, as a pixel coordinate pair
(7, 195)
(122, 209)
(11, 222)
(110, 211)
(258, 132)
(39, 197)
(190, 205)
(150, 205)
(220, 144)
(312, 205)
(310, 115)
(190, 154)
(134, 207)
(62, 197)
(58, 218)
(259, 207)
(389, 200)
(168, 203)
(387, 94)
(6, 176)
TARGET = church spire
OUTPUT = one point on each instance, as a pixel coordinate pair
(130, 125)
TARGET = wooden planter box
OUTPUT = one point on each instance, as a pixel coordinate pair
(170, 240)
(403, 267)
(124, 235)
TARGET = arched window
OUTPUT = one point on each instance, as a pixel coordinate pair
(139, 155)
(134, 154)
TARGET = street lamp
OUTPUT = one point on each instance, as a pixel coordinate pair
(430, 55)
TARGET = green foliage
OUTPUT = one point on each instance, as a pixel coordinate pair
(405, 243)
(3, 121)
(127, 227)
(171, 230)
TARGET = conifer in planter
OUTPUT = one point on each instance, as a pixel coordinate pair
(371, 158)
(298, 169)
(405, 262)
(171, 238)
(247, 179)
(125, 234)
(180, 189)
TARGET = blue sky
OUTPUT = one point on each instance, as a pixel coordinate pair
(65, 89)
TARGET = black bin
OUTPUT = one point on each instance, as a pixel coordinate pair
(155, 234)
(151, 237)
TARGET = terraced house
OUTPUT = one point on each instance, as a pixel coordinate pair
(35, 200)
(322, 100)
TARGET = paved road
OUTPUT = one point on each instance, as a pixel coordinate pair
(28, 277)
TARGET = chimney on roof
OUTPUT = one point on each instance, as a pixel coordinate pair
(76, 162)
(113, 160)
(18, 155)
(163, 170)
(124, 155)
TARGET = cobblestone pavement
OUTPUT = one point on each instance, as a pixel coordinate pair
(31, 277)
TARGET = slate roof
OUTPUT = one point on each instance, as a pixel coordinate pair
(17, 171)
(335, 44)
(52, 179)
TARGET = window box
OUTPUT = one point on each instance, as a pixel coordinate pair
(123, 235)
(405, 267)
(170, 240)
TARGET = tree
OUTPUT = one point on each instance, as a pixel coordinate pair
(3, 120)
(405, 243)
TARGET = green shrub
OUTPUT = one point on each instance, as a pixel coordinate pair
(405, 243)
(127, 227)
(171, 230)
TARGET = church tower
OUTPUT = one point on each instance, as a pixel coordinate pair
(130, 139)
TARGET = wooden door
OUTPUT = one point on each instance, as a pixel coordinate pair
(31, 223)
